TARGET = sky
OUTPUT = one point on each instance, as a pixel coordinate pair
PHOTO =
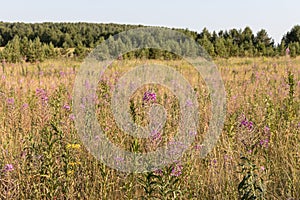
(275, 16)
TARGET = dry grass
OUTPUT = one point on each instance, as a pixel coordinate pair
(38, 137)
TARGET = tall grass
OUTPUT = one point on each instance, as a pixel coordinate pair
(256, 157)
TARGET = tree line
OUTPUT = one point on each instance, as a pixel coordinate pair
(38, 41)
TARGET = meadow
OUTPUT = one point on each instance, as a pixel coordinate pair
(257, 155)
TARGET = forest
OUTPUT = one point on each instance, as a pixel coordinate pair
(32, 42)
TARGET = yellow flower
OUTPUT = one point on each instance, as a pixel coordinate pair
(73, 146)
(70, 172)
(76, 146)
(74, 163)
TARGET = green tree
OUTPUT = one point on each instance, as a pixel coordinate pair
(24, 47)
(207, 45)
(293, 50)
(49, 50)
(12, 50)
(293, 35)
(263, 43)
(65, 49)
(220, 48)
(80, 51)
(39, 54)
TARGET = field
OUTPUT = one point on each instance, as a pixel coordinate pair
(257, 155)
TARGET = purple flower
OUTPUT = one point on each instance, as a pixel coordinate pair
(244, 122)
(25, 105)
(262, 168)
(214, 161)
(149, 96)
(42, 94)
(267, 129)
(158, 172)
(177, 170)
(8, 168)
(189, 103)
(72, 117)
(247, 124)
(87, 85)
(198, 147)
(67, 107)
(119, 160)
(264, 143)
(156, 136)
(11, 101)
(287, 51)
(250, 125)
(193, 133)
(61, 73)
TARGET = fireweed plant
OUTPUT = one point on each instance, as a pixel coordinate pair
(256, 157)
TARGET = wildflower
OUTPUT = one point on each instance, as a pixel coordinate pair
(72, 117)
(189, 103)
(262, 168)
(198, 147)
(226, 157)
(8, 168)
(74, 163)
(73, 146)
(82, 106)
(193, 133)
(156, 136)
(67, 107)
(250, 125)
(62, 73)
(287, 51)
(267, 129)
(25, 105)
(119, 160)
(264, 143)
(247, 124)
(149, 96)
(87, 85)
(214, 161)
(177, 170)
(42, 94)
(158, 172)
(11, 101)
(70, 172)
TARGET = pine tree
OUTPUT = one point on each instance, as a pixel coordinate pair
(220, 48)
(207, 45)
(12, 50)
(80, 51)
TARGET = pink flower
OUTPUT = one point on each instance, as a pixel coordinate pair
(11, 101)
(8, 168)
(67, 107)
(149, 96)
(72, 117)
(42, 94)
(287, 51)
(177, 170)
(158, 172)
(25, 105)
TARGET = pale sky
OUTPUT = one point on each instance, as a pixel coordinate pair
(276, 16)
